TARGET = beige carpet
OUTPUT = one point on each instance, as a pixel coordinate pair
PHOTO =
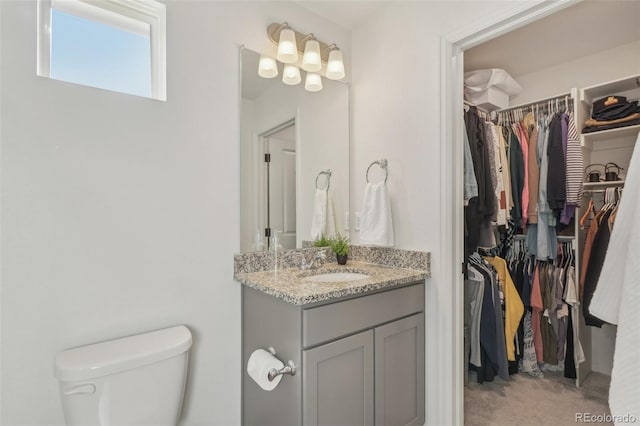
(525, 400)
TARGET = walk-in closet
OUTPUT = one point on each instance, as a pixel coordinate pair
(551, 122)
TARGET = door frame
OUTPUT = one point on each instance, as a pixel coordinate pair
(451, 337)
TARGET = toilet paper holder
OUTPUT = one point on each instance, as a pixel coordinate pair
(289, 368)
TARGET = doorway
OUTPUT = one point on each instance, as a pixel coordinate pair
(279, 185)
(451, 219)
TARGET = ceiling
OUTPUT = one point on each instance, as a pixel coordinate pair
(588, 27)
(583, 29)
(348, 14)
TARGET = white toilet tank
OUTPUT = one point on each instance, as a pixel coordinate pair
(132, 381)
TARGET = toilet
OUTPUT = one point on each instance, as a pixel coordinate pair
(132, 381)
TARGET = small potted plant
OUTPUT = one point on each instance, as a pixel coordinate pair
(340, 246)
(322, 241)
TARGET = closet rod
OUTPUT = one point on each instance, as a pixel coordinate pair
(598, 191)
(561, 96)
(561, 238)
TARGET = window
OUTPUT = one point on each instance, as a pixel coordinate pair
(116, 45)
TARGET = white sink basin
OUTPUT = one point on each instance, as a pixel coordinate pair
(332, 277)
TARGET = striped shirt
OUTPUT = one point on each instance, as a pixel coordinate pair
(574, 165)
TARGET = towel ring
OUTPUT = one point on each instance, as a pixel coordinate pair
(327, 173)
(383, 165)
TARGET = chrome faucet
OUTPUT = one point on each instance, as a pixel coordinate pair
(320, 257)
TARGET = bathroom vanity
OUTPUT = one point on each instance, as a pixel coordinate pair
(358, 346)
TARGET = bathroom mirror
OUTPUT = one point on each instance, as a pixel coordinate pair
(288, 138)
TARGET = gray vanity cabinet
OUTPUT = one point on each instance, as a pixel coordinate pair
(399, 372)
(360, 360)
(338, 382)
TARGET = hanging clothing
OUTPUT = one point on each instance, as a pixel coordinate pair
(481, 209)
(537, 307)
(493, 358)
(514, 308)
(547, 331)
(506, 200)
(533, 168)
(480, 156)
(529, 359)
(596, 261)
(556, 177)
(470, 183)
(524, 144)
(617, 296)
(545, 233)
(492, 132)
(574, 174)
(516, 164)
(491, 163)
(474, 293)
(586, 251)
(571, 297)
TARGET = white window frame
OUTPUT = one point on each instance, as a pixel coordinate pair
(136, 16)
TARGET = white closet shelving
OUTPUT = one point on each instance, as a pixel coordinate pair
(602, 147)
(618, 138)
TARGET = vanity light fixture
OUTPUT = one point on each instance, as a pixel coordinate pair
(315, 53)
(335, 66)
(267, 67)
(311, 60)
(313, 82)
(291, 75)
(287, 45)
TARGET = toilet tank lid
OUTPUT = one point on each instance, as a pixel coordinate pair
(113, 356)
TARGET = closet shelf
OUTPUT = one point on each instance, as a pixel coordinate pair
(628, 132)
(589, 94)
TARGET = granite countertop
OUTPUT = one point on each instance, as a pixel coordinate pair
(288, 285)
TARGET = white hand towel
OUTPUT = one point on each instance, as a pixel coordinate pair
(330, 224)
(319, 218)
(376, 225)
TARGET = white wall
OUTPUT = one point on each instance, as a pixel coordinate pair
(600, 67)
(396, 115)
(121, 214)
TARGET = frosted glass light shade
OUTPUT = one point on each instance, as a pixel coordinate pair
(335, 66)
(267, 67)
(313, 82)
(287, 47)
(291, 75)
(311, 60)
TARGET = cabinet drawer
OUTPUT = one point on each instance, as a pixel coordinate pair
(328, 322)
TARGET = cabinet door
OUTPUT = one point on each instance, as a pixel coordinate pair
(338, 382)
(399, 372)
